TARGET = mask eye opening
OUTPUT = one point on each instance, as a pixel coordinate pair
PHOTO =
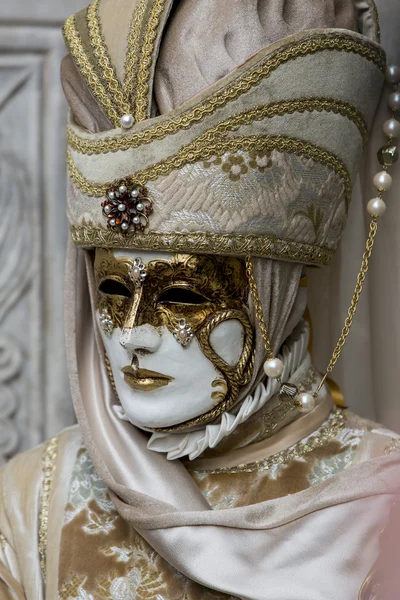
(181, 295)
(112, 287)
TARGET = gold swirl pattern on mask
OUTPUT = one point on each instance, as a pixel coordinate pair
(236, 375)
(222, 283)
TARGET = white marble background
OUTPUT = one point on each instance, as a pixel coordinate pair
(34, 395)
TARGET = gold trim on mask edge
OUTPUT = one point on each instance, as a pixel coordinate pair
(236, 376)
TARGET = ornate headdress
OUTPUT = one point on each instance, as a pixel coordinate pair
(260, 164)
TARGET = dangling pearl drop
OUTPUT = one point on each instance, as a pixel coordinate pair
(305, 402)
(273, 368)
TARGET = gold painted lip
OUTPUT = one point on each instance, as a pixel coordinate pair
(145, 380)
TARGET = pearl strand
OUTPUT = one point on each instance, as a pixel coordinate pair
(388, 154)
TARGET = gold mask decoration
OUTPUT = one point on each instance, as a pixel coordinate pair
(202, 290)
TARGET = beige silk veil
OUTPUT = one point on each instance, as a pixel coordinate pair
(238, 551)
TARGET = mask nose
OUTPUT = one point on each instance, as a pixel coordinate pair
(145, 337)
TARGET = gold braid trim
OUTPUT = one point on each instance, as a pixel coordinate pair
(340, 42)
(375, 18)
(327, 432)
(78, 53)
(133, 51)
(206, 146)
(48, 467)
(100, 51)
(88, 236)
(146, 60)
(85, 146)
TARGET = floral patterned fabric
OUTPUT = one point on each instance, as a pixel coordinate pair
(103, 558)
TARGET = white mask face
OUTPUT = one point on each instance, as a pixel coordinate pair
(176, 332)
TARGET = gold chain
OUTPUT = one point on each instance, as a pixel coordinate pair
(373, 228)
(258, 307)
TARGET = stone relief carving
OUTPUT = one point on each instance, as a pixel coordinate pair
(34, 391)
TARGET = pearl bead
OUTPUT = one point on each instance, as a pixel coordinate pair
(111, 195)
(392, 74)
(391, 128)
(305, 402)
(273, 368)
(124, 225)
(135, 193)
(107, 209)
(139, 207)
(136, 220)
(126, 121)
(382, 181)
(394, 101)
(122, 189)
(376, 207)
(112, 222)
(121, 207)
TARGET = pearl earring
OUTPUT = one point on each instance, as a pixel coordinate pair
(183, 333)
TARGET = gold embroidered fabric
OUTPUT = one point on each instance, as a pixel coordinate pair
(292, 471)
(212, 168)
(103, 558)
(262, 175)
(48, 465)
(206, 147)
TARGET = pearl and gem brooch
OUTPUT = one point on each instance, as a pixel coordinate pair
(127, 207)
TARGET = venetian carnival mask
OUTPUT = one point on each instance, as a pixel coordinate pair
(176, 332)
